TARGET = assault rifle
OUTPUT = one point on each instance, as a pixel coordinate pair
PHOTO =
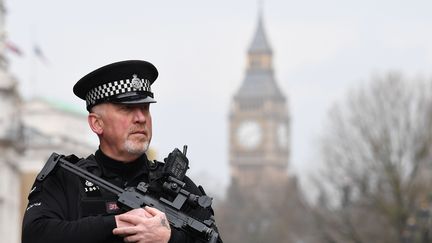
(175, 168)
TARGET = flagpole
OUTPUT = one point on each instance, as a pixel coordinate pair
(33, 77)
(33, 65)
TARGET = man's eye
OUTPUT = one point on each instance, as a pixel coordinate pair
(125, 108)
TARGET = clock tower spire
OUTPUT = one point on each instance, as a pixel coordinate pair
(259, 120)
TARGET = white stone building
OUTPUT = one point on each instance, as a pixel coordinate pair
(44, 128)
(9, 146)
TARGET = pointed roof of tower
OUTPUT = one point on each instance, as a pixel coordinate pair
(259, 82)
(259, 85)
(260, 43)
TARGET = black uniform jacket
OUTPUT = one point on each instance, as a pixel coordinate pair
(64, 208)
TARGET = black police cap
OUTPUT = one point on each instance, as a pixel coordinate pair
(125, 82)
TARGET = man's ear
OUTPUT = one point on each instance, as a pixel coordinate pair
(95, 122)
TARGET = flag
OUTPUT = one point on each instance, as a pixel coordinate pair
(13, 48)
(39, 54)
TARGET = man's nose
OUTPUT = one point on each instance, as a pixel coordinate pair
(140, 115)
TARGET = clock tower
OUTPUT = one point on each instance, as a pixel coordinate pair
(259, 120)
(264, 202)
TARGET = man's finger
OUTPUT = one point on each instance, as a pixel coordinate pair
(124, 231)
(129, 218)
(139, 212)
(152, 211)
(131, 238)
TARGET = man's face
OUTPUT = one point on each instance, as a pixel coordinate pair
(126, 130)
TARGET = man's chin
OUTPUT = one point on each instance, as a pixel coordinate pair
(136, 148)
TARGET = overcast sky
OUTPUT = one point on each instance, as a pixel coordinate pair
(322, 49)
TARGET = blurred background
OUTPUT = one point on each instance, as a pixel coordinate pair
(306, 121)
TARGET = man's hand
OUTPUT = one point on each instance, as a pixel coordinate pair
(143, 226)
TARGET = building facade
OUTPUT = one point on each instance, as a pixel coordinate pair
(29, 132)
(10, 147)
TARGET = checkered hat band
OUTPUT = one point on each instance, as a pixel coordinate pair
(107, 90)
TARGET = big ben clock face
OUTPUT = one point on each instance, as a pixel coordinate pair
(249, 134)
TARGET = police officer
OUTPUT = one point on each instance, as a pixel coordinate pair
(64, 208)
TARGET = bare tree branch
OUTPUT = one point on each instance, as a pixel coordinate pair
(378, 144)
